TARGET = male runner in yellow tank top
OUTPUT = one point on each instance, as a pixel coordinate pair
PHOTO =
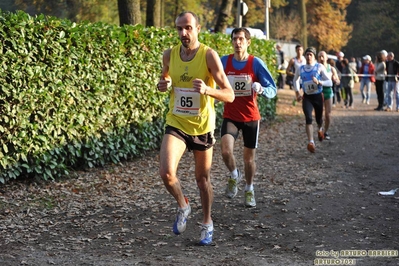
(191, 70)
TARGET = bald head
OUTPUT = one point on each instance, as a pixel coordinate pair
(185, 13)
(322, 56)
(322, 53)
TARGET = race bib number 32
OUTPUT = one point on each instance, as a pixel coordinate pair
(187, 102)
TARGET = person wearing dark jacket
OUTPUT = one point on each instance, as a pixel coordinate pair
(392, 68)
(280, 67)
(347, 81)
(380, 71)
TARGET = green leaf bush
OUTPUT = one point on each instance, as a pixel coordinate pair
(83, 95)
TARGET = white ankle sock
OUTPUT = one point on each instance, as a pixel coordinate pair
(209, 226)
(234, 174)
(249, 187)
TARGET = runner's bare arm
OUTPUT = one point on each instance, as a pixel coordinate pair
(335, 77)
(297, 76)
(165, 81)
(288, 70)
(225, 93)
(297, 85)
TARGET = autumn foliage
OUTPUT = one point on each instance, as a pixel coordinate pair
(328, 26)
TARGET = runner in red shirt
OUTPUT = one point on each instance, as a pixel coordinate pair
(249, 76)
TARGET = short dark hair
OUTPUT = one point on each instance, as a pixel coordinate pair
(298, 46)
(245, 30)
(311, 50)
(197, 20)
(331, 61)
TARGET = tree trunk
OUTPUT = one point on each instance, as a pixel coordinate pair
(304, 24)
(177, 12)
(73, 9)
(153, 13)
(129, 12)
(224, 15)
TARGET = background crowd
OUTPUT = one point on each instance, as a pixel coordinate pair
(380, 73)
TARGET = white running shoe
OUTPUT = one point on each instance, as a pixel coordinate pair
(250, 198)
(231, 189)
(206, 235)
(180, 224)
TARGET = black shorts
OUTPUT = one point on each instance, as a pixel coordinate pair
(198, 143)
(310, 102)
(250, 131)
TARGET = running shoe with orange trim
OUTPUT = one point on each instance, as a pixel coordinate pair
(320, 134)
(311, 147)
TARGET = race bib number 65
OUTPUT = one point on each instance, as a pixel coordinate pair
(187, 102)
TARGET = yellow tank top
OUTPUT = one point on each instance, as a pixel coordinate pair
(190, 111)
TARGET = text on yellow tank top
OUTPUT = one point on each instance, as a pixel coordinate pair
(190, 111)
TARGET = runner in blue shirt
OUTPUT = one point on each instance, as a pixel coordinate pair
(314, 76)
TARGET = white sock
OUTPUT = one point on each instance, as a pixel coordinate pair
(209, 226)
(249, 187)
(234, 174)
(185, 208)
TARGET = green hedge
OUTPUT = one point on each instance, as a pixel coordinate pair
(82, 95)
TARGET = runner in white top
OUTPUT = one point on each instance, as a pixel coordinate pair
(328, 92)
(295, 63)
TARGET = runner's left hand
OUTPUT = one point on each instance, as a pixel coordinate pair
(257, 87)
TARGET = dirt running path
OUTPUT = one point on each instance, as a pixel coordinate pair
(309, 206)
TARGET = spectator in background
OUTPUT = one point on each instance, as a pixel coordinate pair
(385, 55)
(280, 67)
(367, 77)
(348, 82)
(340, 57)
(331, 62)
(339, 93)
(353, 64)
(379, 74)
(392, 67)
